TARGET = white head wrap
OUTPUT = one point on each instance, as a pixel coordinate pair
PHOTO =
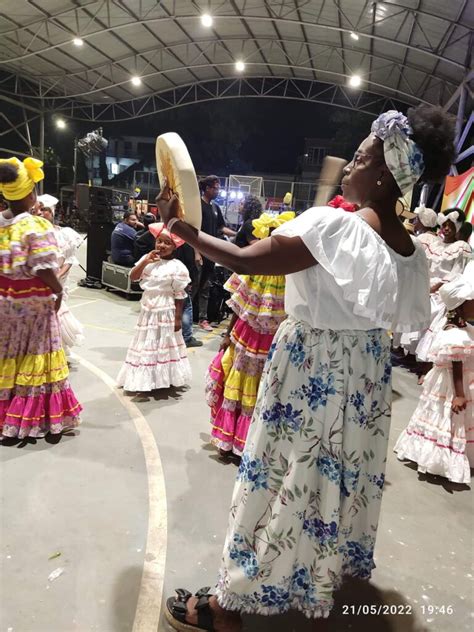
(461, 289)
(402, 155)
(427, 216)
(452, 217)
(48, 200)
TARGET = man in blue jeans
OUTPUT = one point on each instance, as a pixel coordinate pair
(185, 254)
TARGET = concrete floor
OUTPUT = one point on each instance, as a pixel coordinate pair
(86, 497)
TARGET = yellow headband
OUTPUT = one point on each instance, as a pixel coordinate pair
(29, 173)
(266, 222)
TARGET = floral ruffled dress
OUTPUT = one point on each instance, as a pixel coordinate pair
(307, 499)
(35, 395)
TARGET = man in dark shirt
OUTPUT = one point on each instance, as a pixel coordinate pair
(144, 242)
(123, 239)
(213, 224)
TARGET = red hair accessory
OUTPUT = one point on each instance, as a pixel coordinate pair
(159, 228)
(340, 202)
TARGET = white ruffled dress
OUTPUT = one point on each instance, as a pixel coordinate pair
(307, 498)
(157, 356)
(438, 440)
(447, 261)
(72, 332)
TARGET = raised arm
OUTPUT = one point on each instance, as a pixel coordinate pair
(274, 255)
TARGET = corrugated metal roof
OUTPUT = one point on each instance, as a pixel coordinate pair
(410, 50)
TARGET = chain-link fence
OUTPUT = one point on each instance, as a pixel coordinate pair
(234, 188)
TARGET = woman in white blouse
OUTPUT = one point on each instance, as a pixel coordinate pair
(307, 498)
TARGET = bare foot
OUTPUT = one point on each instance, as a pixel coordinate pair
(224, 620)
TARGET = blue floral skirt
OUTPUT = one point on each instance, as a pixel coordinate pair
(307, 499)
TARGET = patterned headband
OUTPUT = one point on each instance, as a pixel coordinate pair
(403, 157)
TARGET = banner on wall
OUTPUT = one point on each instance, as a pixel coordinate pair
(459, 192)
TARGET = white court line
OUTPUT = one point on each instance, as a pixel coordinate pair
(83, 303)
(147, 614)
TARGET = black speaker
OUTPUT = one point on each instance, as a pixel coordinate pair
(100, 205)
(98, 248)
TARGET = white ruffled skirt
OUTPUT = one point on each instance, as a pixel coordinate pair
(157, 356)
(72, 332)
(439, 441)
(423, 343)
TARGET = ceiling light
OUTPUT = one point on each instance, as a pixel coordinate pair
(60, 123)
(77, 41)
(239, 66)
(206, 19)
(354, 36)
(355, 81)
(136, 81)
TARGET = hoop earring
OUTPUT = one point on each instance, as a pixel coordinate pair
(379, 182)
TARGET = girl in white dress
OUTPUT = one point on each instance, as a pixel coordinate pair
(157, 357)
(440, 435)
(424, 227)
(447, 257)
(72, 332)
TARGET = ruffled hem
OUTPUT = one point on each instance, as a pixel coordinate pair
(22, 416)
(235, 603)
(433, 458)
(320, 610)
(136, 379)
(230, 429)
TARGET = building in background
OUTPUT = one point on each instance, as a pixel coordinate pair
(125, 151)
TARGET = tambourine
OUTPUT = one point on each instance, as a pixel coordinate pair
(174, 164)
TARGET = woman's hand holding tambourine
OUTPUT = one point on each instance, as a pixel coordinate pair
(168, 203)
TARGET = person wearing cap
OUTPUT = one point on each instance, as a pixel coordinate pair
(35, 395)
(440, 435)
(157, 357)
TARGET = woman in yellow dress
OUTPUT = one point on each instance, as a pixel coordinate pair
(234, 375)
(35, 395)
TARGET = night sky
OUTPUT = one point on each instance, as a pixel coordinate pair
(229, 136)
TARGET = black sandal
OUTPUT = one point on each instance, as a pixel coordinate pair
(176, 611)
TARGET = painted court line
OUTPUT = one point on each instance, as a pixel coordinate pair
(147, 614)
(83, 303)
(114, 329)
